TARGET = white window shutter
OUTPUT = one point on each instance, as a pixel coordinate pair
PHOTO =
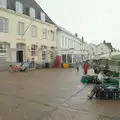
(42, 16)
(32, 12)
(3, 3)
(19, 7)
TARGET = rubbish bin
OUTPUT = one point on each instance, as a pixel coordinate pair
(47, 65)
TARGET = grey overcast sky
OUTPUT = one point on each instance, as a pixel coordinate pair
(96, 20)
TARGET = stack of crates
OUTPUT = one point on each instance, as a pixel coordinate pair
(89, 79)
(115, 74)
(108, 92)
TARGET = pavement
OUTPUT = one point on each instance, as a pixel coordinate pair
(51, 94)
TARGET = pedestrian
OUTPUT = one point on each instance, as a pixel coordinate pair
(33, 62)
(101, 77)
(95, 67)
(28, 62)
(107, 66)
(77, 68)
(85, 68)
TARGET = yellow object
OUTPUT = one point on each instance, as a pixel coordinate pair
(65, 65)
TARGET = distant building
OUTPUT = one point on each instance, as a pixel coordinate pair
(92, 49)
(70, 48)
(102, 48)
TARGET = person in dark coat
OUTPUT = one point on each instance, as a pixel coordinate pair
(77, 68)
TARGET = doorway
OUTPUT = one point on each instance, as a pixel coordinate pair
(20, 53)
(19, 56)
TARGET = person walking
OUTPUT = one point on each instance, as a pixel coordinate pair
(77, 68)
(85, 68)
(33, 63)
(95, 66)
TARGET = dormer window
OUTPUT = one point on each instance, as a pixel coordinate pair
(32, 12)
(42, 16)
(19, 7)
(3, 3)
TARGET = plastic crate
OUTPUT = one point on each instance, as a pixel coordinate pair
(88, 79)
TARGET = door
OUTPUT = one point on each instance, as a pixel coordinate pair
(19, 56)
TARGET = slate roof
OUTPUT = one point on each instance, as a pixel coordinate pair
(28, 4)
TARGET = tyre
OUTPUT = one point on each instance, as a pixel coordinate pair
(26, 69)
(18, 70)
(11, 70)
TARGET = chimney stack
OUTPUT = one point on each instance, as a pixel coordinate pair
(76, 34)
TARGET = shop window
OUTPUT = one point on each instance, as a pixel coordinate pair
(3, 49)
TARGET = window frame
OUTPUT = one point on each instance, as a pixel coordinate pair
(20, 30)
(44, 33)
(4, 24)
(3, 4)
(32, 12)
(63, 37)
(43, 16)
(19, 7)
(34, 50)
(4, 49)
(53, 36)
(44, 53)
(34, 31)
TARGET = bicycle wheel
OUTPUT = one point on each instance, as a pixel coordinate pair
(11, 70)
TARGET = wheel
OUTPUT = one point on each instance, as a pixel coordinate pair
(11, 70)
(18, 70)
(26, 69)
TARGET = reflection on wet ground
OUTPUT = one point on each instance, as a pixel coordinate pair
(51, 94)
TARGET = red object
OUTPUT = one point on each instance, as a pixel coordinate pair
(85, 68)
(14, 68)
(58, 62)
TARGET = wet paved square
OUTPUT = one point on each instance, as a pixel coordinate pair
(46, 95)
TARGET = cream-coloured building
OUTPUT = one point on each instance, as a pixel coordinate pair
(24, 37)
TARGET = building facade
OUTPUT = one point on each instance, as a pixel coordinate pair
(26, 32)
(92, 48)
(103, 49)
(100, 49)
(70, 48)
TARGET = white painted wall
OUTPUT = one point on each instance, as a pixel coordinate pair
(92, 49)
(67, 43)
(102, 49)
